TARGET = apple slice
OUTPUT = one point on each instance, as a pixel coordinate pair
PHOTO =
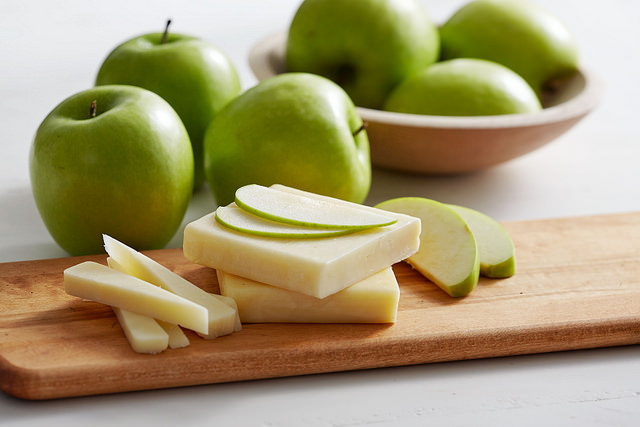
(240, 220)
(448, 254)
(495, 247)
(296, 209)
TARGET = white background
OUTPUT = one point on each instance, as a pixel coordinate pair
(50, 50)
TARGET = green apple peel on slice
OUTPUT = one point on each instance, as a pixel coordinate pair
(448, 254)
(238, 219)
(304, 211)
(495, 247)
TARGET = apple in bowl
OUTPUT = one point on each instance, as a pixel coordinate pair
(440, 144)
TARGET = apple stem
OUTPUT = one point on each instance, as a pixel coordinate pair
(92, 109)
(360, 129)
(165, 35)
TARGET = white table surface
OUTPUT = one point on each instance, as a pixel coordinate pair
(50, 50)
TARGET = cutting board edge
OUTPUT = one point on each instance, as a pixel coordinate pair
(34, 384)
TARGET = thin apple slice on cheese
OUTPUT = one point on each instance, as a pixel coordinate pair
(105, 285)
(240, 220)
(297, 209)
(144, 334)
(495, 247)
(448, 253)
(223, 316)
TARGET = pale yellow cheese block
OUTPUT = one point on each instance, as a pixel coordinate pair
(223, 313)
(177, 338)
(144, 334)
(105, 285)
(372, 300)
(317, 267)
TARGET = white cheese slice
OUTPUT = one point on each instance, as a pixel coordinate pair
(144, 334)
(222, 313)
(105, 285)
(316, 267)
(372, 300)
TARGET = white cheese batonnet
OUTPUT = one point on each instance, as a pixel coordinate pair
(144, 334)
(316, 267)
(105, 285)
(372, 300)
(222, 312)
(177, 338)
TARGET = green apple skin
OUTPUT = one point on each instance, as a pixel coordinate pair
(464, 87)
(448, 254)
(238, 219)
(287, 208)
(517, 34)
(192, 75)
(366, 46)
(296, 129)
(127, 172)
(495, 247)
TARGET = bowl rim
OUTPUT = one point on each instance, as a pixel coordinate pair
(579, 105)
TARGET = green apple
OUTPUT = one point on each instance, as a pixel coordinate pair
(195, 77)
(112, 159)
(464, 87)
(296, 129)
(240, 220)
(448, 253)
(366, 46)
(295, 209)
(517, 34)
(495, 247)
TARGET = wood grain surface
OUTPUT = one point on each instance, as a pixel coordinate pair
(577, 286)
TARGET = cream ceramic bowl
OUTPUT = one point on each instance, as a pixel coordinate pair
(445, 144)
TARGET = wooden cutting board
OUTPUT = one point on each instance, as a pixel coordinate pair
(577, 286)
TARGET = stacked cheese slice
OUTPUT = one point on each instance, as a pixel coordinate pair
(336, 279)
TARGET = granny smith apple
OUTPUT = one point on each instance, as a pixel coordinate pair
(366, 46)
(495, 247)
(112, 159)
(194, 76)
(238, 219)
(295, 129)
(448, 253)
(464, 87)
(520, 35)
(296, 209)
